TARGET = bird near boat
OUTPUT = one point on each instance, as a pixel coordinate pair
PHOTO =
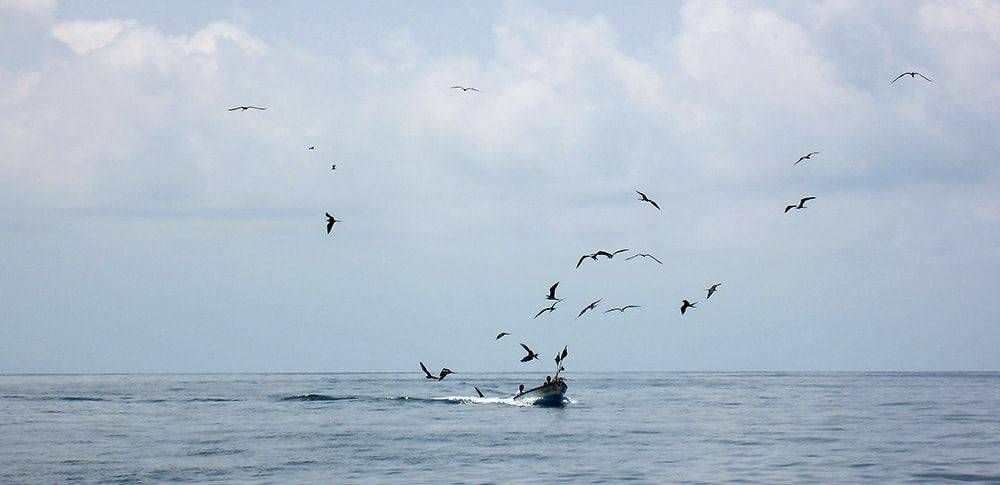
(244, 108)
(686, 304)
(801, 204)
(712, 289)
(607, 254)
(464, 89)
(502, 335)
(643, 198)
(552, 293)
(531, 354)
(330, 221)
(644, 255)
(807, 156)
(589, 307)
(912, 75)
(550, 308)
(478, 391)
(622, 309)
(441, 375)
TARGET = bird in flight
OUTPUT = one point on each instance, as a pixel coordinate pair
(333, 167)
(311, 148)
(589, 307)
(501, 335)
(585, 256)
(244, 108)
(645, 256)
(911, 74)
(552, 293)
(712, 289)
(622, 309)
(802, 204)
(607, 254)
(806, 157)
(643, 198)
(551, 308)
(330, 221)
(531, 354)
(686, 304)
(441, 375)
(464, 89)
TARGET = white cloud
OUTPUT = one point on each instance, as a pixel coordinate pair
(85, 37)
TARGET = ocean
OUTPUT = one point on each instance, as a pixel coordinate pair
(395, 427)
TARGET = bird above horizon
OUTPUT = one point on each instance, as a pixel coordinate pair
(589, 307)
(441, 375)
(501, 335)
(802, 204)
(464, 89)
(244, 108)
(531, 354)
(550, 308)
(647, 199)
(622, 309)
(712, 289)
(552, 293)
(912, 75)
(330, 221)
(686, 304)
(644, 255)
(806, 157)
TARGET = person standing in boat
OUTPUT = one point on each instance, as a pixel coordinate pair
(520, 389)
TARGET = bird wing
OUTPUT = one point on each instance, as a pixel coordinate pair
(329, 226)
(526, 349)
(806, 199)
(683, 308)
(424, 367)
(654, 258)
(233, 109)
(655, 204)
(813, 153)
(619, 251)
(631, 306)
(583, 311)
(474, 89)
(642, 195)
(604, 253)
(456, 87)
(552, 289)
(611, 310)
(897, 78)
(564, 353)
(633, 256)
(789, 207)
(925, 77)
(478, 391)
(585, 256)
(256, 107)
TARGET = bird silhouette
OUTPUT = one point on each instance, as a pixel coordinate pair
(912, 75)
(311, 148)
(801, 205)
(501, 335)
(550, 308)
(585, 256)
(441, 375)
(333, 167)
(686, 304)
(464, 89)
(531, 354)
(478, 391)
(552, 293)
(712, 289)
(644, 255)
(643, 198)
(805, 157)
(607, 254)
(622, 309)
(244, 108)
(589, 307)
(330, 221)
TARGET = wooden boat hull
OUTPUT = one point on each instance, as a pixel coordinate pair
(546, 394)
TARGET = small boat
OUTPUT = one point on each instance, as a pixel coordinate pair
(550, 394)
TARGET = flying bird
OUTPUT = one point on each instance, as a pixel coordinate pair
(801, 205)
(501, 335)
(333, 167)
(551, 308)
(643, 198)
(552, 293)
(805, 157)
(464, 89)
(441, 375)
(531, 354)
(244, 108)
(607, 254)
(645, 256)
(589, 307)
(585, 256)
(330, 221)
(686, 304)
(911, 74)
(311, 148)
(622, 309)
(712, 289)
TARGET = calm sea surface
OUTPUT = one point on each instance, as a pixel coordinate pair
(649, 427)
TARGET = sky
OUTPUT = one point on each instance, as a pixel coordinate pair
(145, 228)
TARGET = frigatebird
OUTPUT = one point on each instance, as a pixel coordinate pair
(805, 157)
(686, 304)
(911, 74)
(501, 335)
(531, 354)
(645, 255)
(550, 308)
(464, 89)
(330, 221)
(244, 108)
(712, 289)
(647, 199)
(444, 372)
(622, 309)
(802, 204)
(589, 307)
(552, 293)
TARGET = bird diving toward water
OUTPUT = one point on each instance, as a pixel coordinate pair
(802, 204)
(531, 354)
(550, 308)
(644, 255)
(441, 375)
(807, 156)
(911, 74)
(464, 89)
(330, 221)
(712, 289)
(501, 335)
(589, 307)
(244, 108)
(552, 293)
(686, 304)
(643, 198)
(622, 309)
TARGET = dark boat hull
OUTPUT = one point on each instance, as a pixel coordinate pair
(550, 394)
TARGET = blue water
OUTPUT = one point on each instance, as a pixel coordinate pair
(653, 427)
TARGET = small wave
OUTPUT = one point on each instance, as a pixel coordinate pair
(959, 477)
(318, 397)
(211, 399)
(56, 398)
(217, 451)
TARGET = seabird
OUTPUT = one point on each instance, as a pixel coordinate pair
(686, 304)
(622, 309)
(501, 335)
(647, 199)
(805, 157)
(911, 74)
(464, 89)
(589, 307)
(311, 148)
(244, 108)
(531, 354)
(551, 308)
(585, 256)
(645, 256)
(552, 292)
(444, 372)
(333, 167)
(712, 289)
(802, 204)
(330, 222)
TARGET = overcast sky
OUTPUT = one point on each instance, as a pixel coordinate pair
(145, 228)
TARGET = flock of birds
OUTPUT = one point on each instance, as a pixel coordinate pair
(551, 295)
